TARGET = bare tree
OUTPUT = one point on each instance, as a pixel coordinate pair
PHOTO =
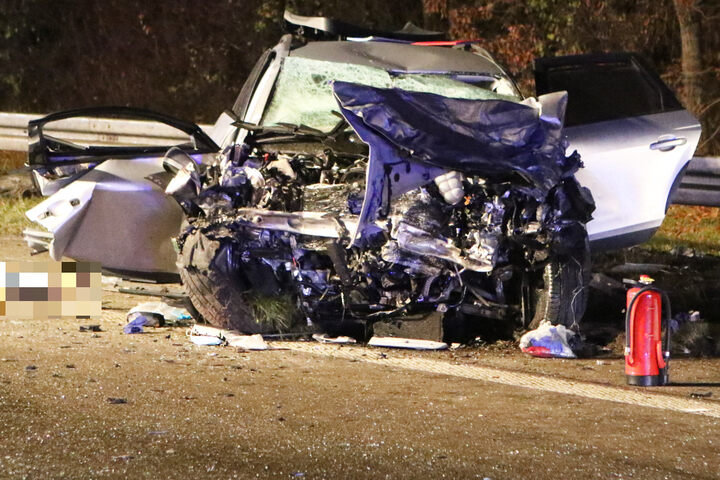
(688, 14)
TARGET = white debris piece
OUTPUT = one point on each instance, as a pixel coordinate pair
(450, 186)
(246, 342)
(206, 340)
(233, 338)
(324, 338)
(205, 331)
(170, 314)
(411, 343)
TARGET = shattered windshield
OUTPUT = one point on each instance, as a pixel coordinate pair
(303, 91)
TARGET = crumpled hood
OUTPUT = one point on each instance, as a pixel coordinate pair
(432, 134)
(491, 138)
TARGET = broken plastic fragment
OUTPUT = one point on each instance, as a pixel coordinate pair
(411, 343)
(324, 338)
(165, 312)
(136, 322)
(205, 340)
(203, 335)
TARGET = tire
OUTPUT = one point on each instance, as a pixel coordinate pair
(213, 287)
(561, 295)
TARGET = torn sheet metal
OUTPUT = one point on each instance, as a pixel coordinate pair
(493, 139)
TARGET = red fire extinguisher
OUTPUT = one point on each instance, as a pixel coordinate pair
(647, 353)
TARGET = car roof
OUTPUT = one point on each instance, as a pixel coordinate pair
(400, 57)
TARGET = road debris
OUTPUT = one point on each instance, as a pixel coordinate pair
(116, 284)
(410, 343)
(548, 341)
(206, 340)
(168, 313)
(154, 314)
(136, 322)
(247, 342)
(325, 338)
(116, 401)
(204, 335)
(701, 395)
(90, 328)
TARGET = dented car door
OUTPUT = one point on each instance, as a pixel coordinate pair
(107, 202)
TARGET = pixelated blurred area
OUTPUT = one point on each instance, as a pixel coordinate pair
(50, 289)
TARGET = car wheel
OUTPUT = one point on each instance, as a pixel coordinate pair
(560, 294)
(215, 288)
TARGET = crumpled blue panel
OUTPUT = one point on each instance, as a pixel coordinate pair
(381, 183)
(491, 138)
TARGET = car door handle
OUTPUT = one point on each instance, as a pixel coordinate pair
(667, 144)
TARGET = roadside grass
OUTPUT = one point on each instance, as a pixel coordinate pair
(278, 311)
(12, 214)
(12, 209)
(692, 227)
(10, 161)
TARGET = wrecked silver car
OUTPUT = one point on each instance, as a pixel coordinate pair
(379, 177)
(362, 194)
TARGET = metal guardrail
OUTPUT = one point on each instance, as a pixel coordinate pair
(85, 130)
(700, 185)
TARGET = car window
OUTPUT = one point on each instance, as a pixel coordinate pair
(303, 91)
(607, 91)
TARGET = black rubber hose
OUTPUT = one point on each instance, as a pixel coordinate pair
(668, 317)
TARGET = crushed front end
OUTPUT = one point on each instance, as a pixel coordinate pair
(412, 203)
